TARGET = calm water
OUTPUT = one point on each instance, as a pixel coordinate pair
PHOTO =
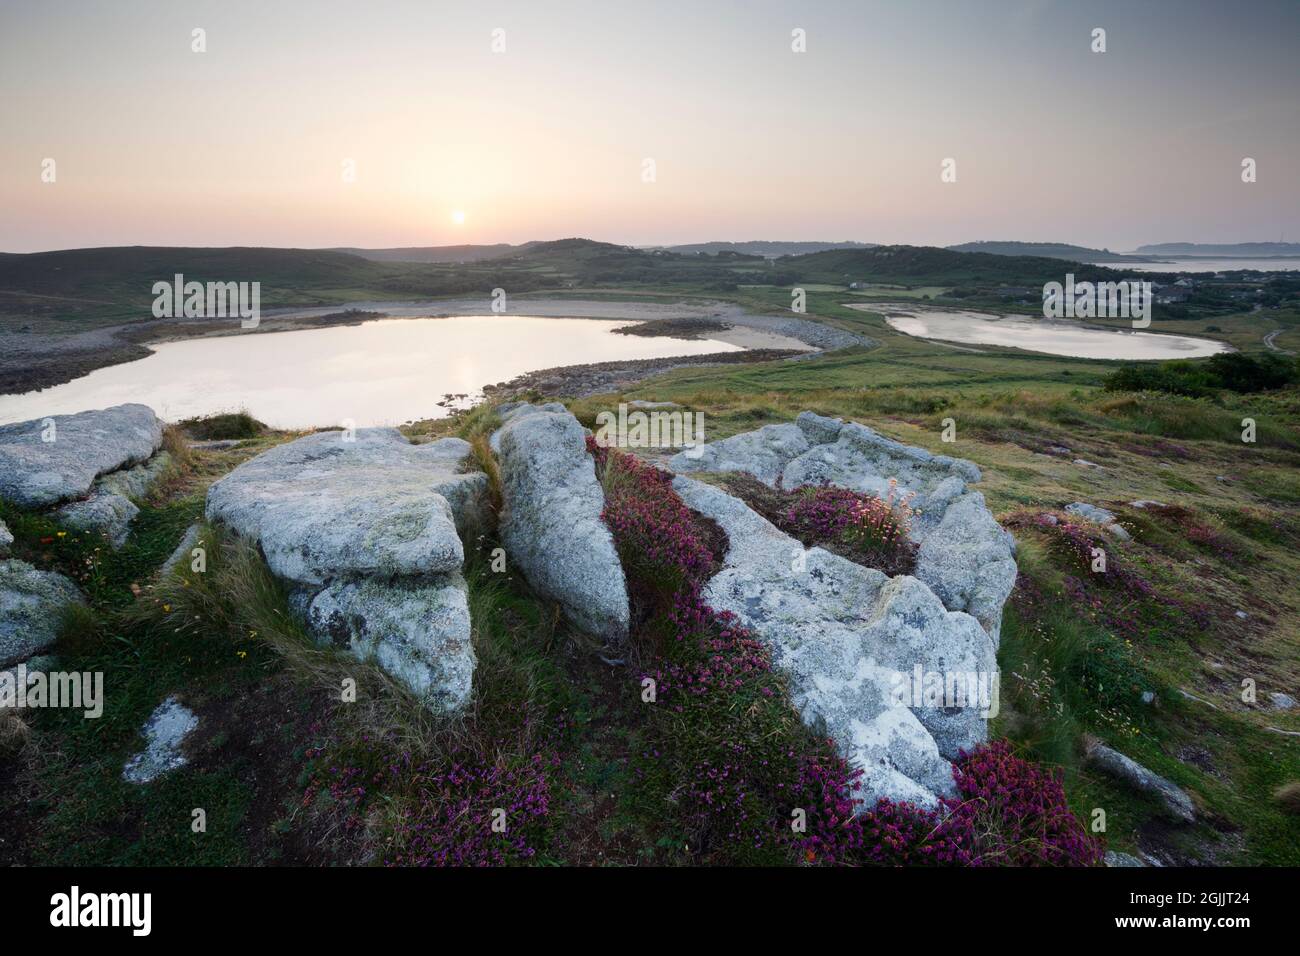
(1208, 265)
(1043, 335)
(379, 373)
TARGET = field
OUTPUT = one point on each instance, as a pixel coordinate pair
(1208, 623)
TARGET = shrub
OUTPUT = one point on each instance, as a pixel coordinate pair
(1231, 371)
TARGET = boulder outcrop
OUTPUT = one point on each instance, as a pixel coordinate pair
(963, 555)
(861, 650)
(365, 526)
(32, 603)
(550, 519)
(46, 461)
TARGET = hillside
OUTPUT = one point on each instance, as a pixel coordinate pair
(913, 264)
(1052, 250)
(765, 248)
(462, 253)
(1243, 249)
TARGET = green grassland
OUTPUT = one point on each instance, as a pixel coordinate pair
(1076, 653)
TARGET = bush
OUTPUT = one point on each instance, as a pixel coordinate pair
(1231, 371)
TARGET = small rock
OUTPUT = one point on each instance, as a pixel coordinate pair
(1242, 614)
(1115, 858)
(1049, 519)
(182, 551)
(1148, 697)
(164, 734)
(1282, 701)
(1175, 800)
(1058, 449)
(32, 603)
(103, 512)
(1098, 516)
(1084, 463)
(1142, 503)
(6, 539)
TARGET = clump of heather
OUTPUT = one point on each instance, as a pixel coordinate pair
(472, 813)
(864, 528)
(1008, 812)
(459, 810)
(1018, 812)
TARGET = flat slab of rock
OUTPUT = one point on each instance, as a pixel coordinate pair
(964, 556)
(323, 507)
(1175, 800)
(36, 471)
(550, 519)
(419, 632)
(851, 640)
(32, 603)
(183, 552)
(164, 734)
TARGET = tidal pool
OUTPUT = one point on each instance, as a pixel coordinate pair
(383, 372)
(1050, 336)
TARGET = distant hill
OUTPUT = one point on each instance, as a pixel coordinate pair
(766, 249)
(114, 284)
(1246, 250)
(1051, 250)
(466, 253)
(911, 265)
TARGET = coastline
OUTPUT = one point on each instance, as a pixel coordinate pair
(35, 361)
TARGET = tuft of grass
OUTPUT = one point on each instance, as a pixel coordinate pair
(230, 425)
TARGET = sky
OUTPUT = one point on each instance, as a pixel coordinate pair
(449, 141)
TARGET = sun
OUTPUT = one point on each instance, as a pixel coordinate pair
(458, 217)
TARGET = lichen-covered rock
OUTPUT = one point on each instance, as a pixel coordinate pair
(1174, 799)
(32, 603)
(164, 734)
(853, 641)
(417, 631)
(104, 513)
(550, 520)
(964, 556)
(135, 482)
(45, 461)
(966, 559)
(365, 528)
(763, 453)
(332, 504)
